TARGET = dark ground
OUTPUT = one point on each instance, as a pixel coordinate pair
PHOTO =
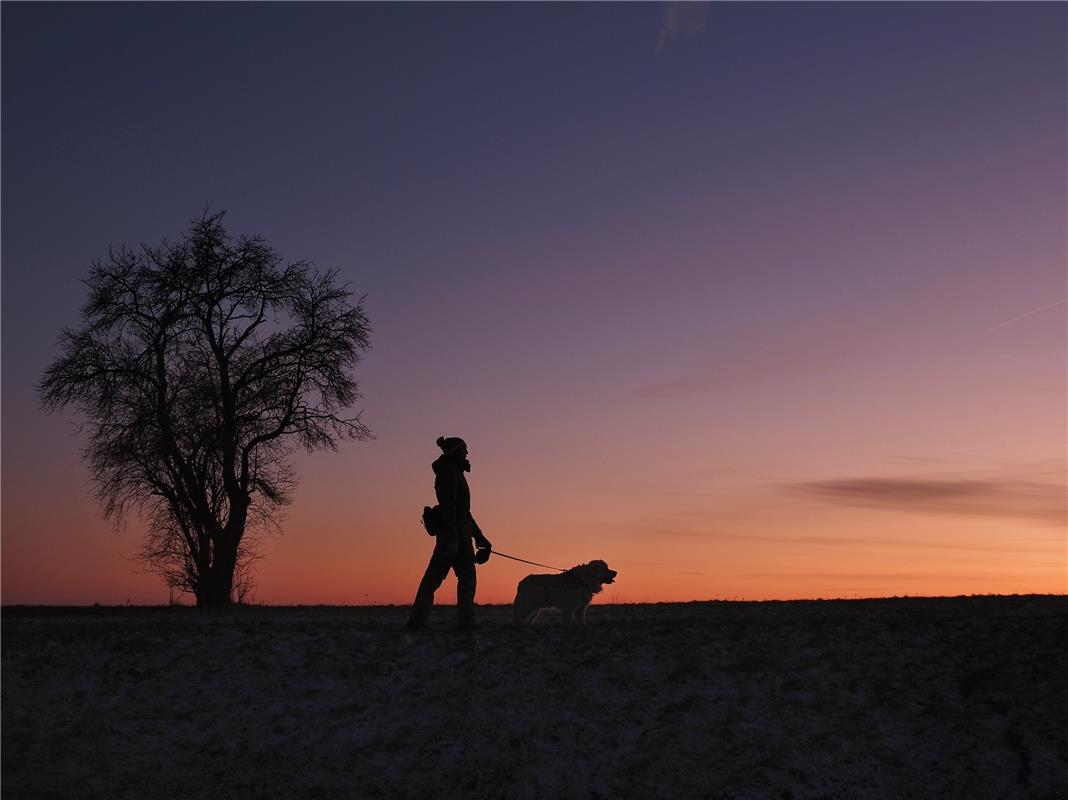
(954, 697)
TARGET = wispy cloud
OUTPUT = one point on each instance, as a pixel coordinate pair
(1021, 499)
(680, 19)
(1025, 315)
(851, 541)
(768, 360)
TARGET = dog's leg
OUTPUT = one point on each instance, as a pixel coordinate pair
(580, 615)
(528, 616)
(567, 616)
(524, 615)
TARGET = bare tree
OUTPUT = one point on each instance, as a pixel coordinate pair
(198, 368)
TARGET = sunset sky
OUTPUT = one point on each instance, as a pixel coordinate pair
(749, 300)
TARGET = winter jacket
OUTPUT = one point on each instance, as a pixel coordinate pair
(454, 497)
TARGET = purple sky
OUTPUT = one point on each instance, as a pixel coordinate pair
(738, 298)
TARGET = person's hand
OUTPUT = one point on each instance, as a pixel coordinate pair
(482, 555)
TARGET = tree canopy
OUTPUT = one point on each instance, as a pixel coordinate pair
(199, 366)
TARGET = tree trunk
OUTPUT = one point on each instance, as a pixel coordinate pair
(216, 584)
(214, 589)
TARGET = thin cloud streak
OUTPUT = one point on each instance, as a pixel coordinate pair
(876, 576)
(1026, 314)
(766, 361)
(853, 541)
(1031, 500)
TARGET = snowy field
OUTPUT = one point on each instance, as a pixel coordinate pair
(932, 698)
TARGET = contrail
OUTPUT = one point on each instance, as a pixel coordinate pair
(1026, 314)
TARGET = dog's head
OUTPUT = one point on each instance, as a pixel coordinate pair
(597, 573)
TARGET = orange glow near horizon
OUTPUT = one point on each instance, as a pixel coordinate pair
(688, 546)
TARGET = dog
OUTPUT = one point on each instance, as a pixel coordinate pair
(569, 591)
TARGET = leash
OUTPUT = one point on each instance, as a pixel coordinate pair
(514, 558)
(535, 563)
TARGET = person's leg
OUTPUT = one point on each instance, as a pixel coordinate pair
(435, 573)
(465, 591)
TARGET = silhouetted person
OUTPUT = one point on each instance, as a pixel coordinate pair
(456, 533)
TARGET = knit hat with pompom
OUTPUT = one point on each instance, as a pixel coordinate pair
(449, 444)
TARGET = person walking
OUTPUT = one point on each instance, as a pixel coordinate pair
(456, 534)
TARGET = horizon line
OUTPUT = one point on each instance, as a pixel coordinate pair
(853, 598)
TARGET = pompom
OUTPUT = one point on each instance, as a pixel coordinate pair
(450, 443)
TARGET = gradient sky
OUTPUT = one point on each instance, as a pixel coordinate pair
(750, 300)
